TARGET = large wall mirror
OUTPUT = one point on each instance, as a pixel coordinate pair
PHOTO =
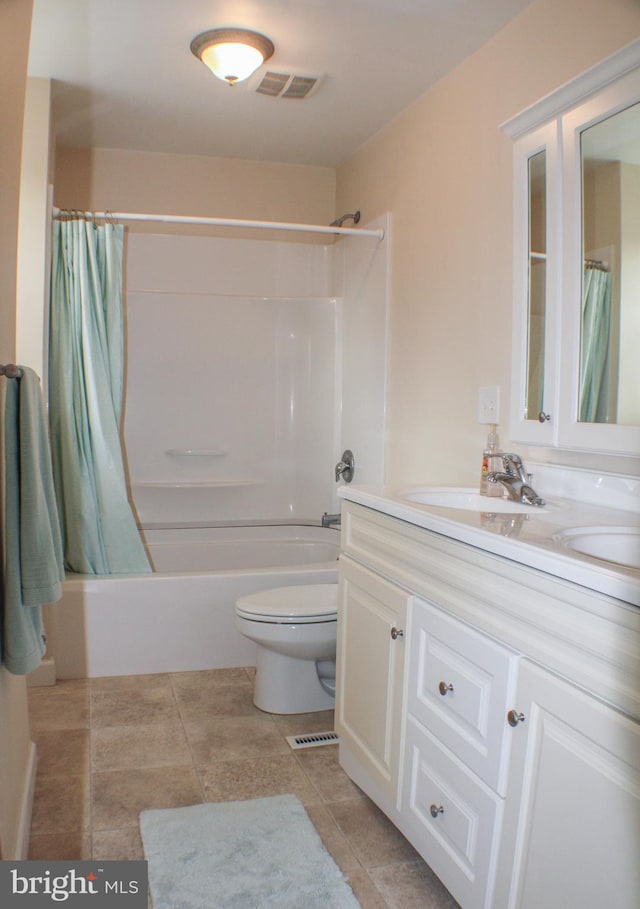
(610, 330)
(576, 370)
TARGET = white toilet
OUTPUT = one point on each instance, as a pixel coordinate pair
(295, 630)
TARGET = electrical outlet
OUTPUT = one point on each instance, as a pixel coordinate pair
(489, 404)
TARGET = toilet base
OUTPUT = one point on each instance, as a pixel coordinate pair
(286, 685)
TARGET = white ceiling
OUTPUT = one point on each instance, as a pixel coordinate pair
(125, 77)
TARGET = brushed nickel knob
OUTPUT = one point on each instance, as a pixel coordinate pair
(514, 717)
(436, 810)
(397, 633)
(443, 688)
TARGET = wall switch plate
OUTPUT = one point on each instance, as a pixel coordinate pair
(489, 404)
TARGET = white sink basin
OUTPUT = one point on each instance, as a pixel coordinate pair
(468, 499)
(618, 545)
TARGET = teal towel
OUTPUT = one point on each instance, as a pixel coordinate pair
(33, 570)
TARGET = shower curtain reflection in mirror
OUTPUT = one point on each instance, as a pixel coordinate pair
(85, 399)
(594, 345)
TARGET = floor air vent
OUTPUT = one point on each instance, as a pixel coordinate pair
(313, 739)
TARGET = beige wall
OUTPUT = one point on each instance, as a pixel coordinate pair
(128, 181)
(34, 229)
(15, 19)
(443, 170)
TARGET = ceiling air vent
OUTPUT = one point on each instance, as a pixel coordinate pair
(273, 84)
(287, 85)
(299, 87)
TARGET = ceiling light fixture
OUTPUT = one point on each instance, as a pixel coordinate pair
(232, 54)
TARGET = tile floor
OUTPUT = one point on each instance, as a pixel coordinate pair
(109, 748)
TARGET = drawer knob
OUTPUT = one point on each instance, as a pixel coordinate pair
(514, 717)
(397, 633)
(444, 688)
(436, 810)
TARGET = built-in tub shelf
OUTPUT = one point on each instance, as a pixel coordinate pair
(197, 484)
(197, 499)
(196, 452)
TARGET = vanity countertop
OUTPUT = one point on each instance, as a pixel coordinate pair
(529, 538)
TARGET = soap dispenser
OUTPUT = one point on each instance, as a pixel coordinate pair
(489, 459)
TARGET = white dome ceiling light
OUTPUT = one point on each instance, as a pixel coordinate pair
(232, 54)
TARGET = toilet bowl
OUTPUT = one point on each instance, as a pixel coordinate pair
(295, 632)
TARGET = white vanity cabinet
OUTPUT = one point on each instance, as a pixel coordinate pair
(501, 736)
(572, 813)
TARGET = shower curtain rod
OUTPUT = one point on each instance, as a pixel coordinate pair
(220, 222)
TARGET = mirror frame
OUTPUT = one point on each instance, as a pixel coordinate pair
(555, 124)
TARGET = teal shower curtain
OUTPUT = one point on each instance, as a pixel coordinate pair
(86, 354)
(594, 345)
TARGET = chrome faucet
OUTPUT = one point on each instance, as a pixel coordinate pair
(515, 480)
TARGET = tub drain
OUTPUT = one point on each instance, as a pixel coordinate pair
(312, 740)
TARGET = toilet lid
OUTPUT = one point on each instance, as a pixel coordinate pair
(299, 603)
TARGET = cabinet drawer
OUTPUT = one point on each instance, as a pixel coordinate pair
(460, 686)
(451, 817)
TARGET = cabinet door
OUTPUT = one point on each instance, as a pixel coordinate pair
(572, 821)
(369, 677)
(536, 195)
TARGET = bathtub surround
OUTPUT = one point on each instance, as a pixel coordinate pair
(254, 355)
(86, 352)
(260, 853)
(243, 358)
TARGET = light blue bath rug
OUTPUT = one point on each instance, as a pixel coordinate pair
(259, 854)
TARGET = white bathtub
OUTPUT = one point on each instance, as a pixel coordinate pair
(181, 617)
